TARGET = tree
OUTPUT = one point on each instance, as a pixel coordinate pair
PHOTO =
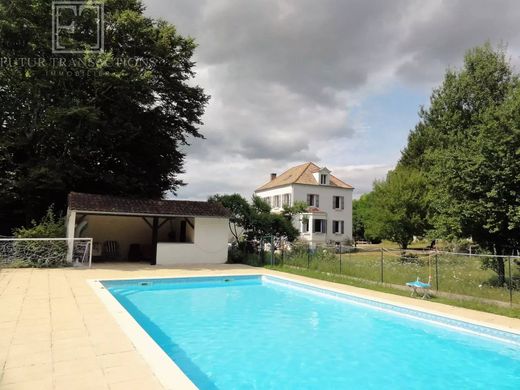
(360, 215)
(255, 219)
(298, 207)
(398, 207)
(110, 122)
(240, 212)
(467, 145)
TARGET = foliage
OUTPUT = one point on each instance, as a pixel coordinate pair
(41, 254)
(410, 257)
(398, 207)
(360, 215)
(111, 122)
(297, 208)
(50, 226)
(255, 219)
(240, 212)
(468, 146)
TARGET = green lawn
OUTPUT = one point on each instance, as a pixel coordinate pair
(454, 274)
(344, 279)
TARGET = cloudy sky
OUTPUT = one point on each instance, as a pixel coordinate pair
(337, 82)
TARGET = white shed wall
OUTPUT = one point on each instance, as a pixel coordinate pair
(210, 245)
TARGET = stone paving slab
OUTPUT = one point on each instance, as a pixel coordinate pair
(55, 333)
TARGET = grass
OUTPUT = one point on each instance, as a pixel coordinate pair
(459, 279)
(348, 280)
(454, 274)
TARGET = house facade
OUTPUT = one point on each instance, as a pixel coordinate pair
(328, 217)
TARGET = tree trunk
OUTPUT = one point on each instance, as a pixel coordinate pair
(500, 268)
(501, 271)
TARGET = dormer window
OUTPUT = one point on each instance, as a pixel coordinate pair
(323, 178)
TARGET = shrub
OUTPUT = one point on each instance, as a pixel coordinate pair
(50, 226)
(41, 254)
(408, 257)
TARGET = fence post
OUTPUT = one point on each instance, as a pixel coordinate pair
(382, 274)
(91, 242)
(272, 251)
(437, 271)
(262, 251)
(340, 250)
(350, 257)
(282, 241)
(510, 283)
(308, 256)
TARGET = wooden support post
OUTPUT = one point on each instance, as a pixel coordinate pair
(155, 239)
(148, 223)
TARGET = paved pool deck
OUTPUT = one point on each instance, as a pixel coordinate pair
(55, 333)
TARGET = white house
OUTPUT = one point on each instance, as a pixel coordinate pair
(329, 214)
(159, 231)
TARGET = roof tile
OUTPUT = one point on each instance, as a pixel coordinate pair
(301, 174)
(115, 204)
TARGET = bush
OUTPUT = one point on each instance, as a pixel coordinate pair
(373, 239)
(50, 226)
(235, 255)
(458, 246)
(494, 282)
(41, 254)
(408, 257)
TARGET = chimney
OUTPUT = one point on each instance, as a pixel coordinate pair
(273, 176)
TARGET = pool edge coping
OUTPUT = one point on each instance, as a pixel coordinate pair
(162, 366)
(172, 377)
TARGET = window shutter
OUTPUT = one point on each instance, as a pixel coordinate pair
(342, 203)
(317, 200)
(309, 199)
(342, 227)
(333, 202)
(324, 225)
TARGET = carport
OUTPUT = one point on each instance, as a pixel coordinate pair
(164, 232)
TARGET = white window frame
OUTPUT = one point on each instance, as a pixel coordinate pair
(338, 227)
(286, 199)
(341, 202)
(313, 200)
(323, 178)
(276, 201)
(323, 225)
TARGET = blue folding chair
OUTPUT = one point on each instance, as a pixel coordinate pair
(424, 287)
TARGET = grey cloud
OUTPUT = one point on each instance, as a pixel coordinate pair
(284, 75)
(439, 39)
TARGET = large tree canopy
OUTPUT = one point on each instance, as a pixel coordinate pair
(110, 122)
(361, 212)
(398, 207)
(468, 146)
(255, 220)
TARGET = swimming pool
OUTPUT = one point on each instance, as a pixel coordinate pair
(263, 332)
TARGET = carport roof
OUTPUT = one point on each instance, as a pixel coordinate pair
(115, 205)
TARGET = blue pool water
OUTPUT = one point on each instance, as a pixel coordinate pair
(263, 333)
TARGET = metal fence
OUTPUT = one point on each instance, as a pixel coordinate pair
(45, 252)
(455, 275)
